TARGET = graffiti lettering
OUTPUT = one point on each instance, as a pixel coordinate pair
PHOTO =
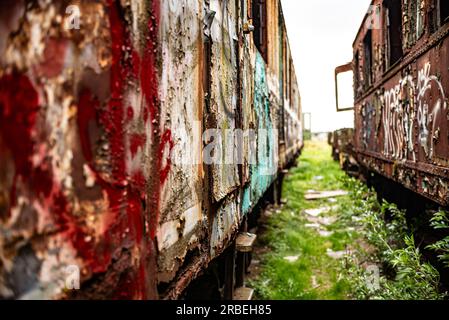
(408, 103)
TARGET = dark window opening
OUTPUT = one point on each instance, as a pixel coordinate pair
(438, 15)
(368, 59)
(394, 25)
(356, 74)
(259, 12)
(433, 16)
(444, 11)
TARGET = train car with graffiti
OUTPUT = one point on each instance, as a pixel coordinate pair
(401, 86)
(136, 138)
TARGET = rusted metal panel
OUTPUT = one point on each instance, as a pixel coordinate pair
(81, 173)
(401, 120)
(275, 105)
(292, 122)
(273, 29)
(225, 225)
(223, 119)
(295, 101)
(224, 97)
(182, 222)
(102, 149)
(342, 141)
(291, 140)
(265, 167)
(246, 69)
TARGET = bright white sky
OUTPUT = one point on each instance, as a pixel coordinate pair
(321, 33)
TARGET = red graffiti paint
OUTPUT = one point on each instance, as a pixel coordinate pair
(96, 256)
(20, 131)
(54, 57)
(19, 109)
(130, 113)
(136, 283)
(149, 85)
(133, 198)
(136, 142)
(126, 194)
(19, 106)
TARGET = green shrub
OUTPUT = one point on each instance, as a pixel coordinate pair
(440, 221)
(403, 273)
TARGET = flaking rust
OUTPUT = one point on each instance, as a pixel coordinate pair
(70, 134)
(103, 106)
(401, 107)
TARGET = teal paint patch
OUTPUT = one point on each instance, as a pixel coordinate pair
(264, 170)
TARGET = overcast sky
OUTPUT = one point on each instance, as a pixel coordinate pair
(321, 33)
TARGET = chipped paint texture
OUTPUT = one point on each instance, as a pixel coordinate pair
(224, 94)
(76, 185)
(101, 142)
(260, 180)
(225, 225)
(182, 220)
(246, 66)
(401, 121)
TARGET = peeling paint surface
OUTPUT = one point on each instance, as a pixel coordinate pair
(182, 220)
(401, 121)
(102, 142)
(260, 177)
(224, 94)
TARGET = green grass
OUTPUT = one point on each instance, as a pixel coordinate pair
(360, 226)
(287, 235)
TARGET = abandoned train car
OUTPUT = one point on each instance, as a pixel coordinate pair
(401, 83)
(343, 150)
(109, 111)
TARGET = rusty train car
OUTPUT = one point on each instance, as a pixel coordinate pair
(401, 86)
(343, 150)
(103, 109)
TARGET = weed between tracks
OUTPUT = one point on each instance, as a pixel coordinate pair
(364, 251)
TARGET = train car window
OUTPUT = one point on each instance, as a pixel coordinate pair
(394, 24)
(433, 16)
(357, 77)
(444, 11)
(439, 14)
(419, 19)
(259, 15)
(368, 61)
(413, 27)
